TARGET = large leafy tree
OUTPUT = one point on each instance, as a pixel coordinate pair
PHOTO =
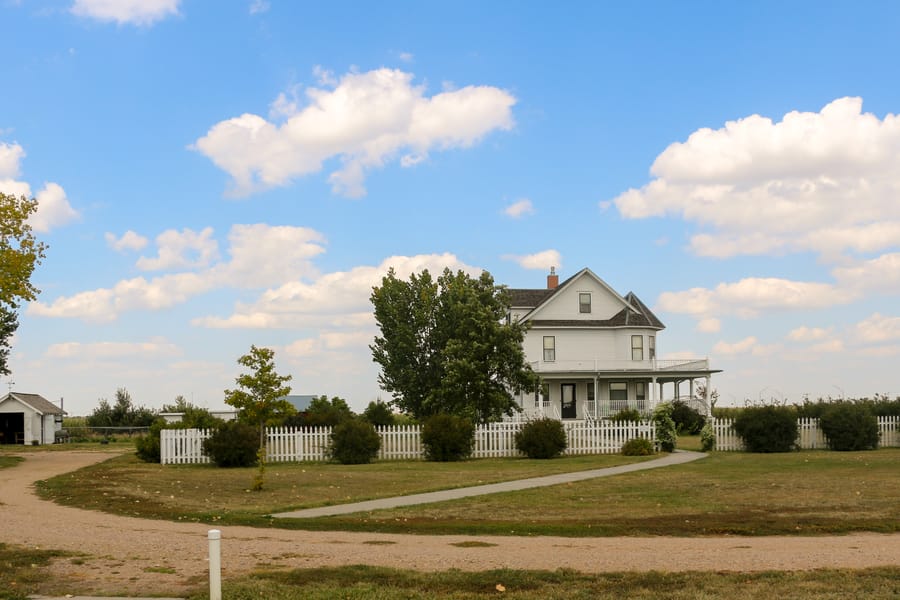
(445, 346)
(20, 253)
(260, 395)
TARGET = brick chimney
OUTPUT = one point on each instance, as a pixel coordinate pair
(552, 279)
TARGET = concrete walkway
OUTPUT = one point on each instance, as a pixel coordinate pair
(677, 458)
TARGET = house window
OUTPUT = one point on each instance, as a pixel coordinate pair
(549, 348)
(584, 302)
(640, 394)
(651, 347)
(637, 347)
(618, 396)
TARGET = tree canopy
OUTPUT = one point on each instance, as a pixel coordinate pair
(445, 346)
(260, 395)
(20, 253)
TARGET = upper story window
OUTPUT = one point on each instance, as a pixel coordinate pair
(584, 302)
(637, 347)
(651, 347)
(549, 348)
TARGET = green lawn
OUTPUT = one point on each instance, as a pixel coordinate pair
(803, 493)
(9, 461)
(360, 583)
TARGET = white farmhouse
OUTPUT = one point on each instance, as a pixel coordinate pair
(596, 351)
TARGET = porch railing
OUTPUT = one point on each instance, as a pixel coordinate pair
(597, 365)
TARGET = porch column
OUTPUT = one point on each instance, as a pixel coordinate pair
(677, 389)
(654, 393)
(691, 387)
(707, 396)
(662, 396)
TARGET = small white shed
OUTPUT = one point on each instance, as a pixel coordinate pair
(28, 419)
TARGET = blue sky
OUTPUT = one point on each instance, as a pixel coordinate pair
(213, 175)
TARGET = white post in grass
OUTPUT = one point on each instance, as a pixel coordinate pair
(215, 564)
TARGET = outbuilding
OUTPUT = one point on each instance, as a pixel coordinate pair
(28, 419)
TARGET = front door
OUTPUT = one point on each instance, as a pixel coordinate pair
(567, 408)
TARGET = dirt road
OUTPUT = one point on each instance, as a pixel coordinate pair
(139, 555)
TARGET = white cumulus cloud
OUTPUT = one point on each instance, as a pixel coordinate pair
(134, 12)
(260, 256)
(185, 249)
(365, 120)
(130, 240)
(53, 208)
(815, 181)
(154, 348)
(878, 328)
(519, 208)
(334, 300)
(540, 261)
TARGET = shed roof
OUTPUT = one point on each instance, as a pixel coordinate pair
(36, 402)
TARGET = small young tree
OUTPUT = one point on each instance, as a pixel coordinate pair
(260, 397)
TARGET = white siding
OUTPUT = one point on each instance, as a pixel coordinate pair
(564, 304)
(585, 345)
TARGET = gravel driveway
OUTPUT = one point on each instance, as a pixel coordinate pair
(161, 557)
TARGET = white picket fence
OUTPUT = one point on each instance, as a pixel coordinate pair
(403, 442)
(810, 436)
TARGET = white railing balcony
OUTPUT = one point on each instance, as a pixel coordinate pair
(598, 365)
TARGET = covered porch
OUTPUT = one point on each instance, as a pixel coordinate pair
(584, 393)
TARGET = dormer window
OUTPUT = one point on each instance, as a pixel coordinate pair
(584, 302)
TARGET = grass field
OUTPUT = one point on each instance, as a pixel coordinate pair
(23, 571)
(354, 583)
(804, 493)
(9, 461)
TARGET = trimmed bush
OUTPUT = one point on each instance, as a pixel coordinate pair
(767, 428)
(666, 434)
(147, 447)
(354, 442)
(688, 421)
(638, 447)
(448, 438)
(542, 438)
(849, 426)
(627, 414)
(233, 444)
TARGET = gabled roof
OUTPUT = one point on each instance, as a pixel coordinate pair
(633, 314)
(37, 403)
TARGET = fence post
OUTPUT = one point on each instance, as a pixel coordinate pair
(215, 564)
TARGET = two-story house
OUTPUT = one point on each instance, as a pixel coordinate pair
(596, 351)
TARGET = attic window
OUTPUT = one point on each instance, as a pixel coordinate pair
(584, 302)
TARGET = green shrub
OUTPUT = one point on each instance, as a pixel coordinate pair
(542, 438)
(147, 447)
(688, 420)
(767, 428)
(707, 437)
(627, 414)
(849, 426)
(638, 447)
(378, 414)
(448, 438)
(354, 442)
(666, 434)
(233, 444)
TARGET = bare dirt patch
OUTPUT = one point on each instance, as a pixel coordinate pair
(125, 554)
